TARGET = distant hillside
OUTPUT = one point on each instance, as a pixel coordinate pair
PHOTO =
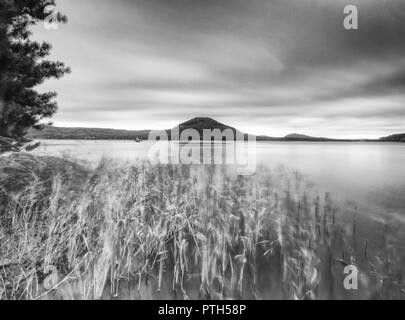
(303, 137)
(198, 124)
(203, 123)
(87, 134)
(297, 136)
(394, 138)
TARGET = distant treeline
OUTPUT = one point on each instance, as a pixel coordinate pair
(198, 124)
(87, 134)
(394, 138)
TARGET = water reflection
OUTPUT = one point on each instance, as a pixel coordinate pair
(371, 173)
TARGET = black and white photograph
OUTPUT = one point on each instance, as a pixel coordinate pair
(197, 150)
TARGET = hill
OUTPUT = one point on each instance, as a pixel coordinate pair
(297, 136)
(198, 124)
(204, 123)
(394, 138)
(87, 134)
(303, 137)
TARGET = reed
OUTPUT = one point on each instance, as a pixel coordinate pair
(144, 231)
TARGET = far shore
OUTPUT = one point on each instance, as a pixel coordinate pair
(218, 141)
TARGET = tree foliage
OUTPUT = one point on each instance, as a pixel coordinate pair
(23, 66)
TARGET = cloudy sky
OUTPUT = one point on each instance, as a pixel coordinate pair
(264, 66)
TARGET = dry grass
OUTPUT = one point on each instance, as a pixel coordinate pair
(142, 231)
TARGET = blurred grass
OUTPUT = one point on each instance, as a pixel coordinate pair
(143, 231)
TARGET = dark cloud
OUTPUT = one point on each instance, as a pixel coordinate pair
(393, 83)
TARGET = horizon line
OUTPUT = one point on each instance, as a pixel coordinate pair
(101, 127)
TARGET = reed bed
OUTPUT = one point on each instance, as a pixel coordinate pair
(148, 231)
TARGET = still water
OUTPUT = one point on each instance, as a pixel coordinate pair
(371, 173)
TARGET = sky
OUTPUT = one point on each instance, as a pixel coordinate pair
(270, 67)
